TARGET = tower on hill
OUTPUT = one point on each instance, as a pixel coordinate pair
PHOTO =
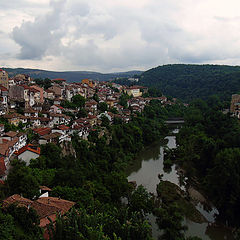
(4, 78)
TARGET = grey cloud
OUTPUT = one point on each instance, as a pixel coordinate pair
(36, 37)
(88, 34)
(78, 8)
(20, 5)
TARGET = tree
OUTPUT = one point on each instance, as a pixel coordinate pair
(140, 200)
(20, 180)
(52, 154)
(105, 121)
(95, 97)
(102, 106)
(78, 101)
(223, 183)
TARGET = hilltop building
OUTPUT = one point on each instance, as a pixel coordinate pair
(235, 105)
(4, 78)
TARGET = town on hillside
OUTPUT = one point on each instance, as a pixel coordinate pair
(36, 112)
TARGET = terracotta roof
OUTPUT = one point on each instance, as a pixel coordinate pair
(45, 206)
(42, 131)
(21, 134)
(2, 166)
(13, 115)
(57, 115)
(28, 147)
(77, 127)
(44, 188)
(11, 134)
(34, 90)
(51, 136)
(30, 110)
(92, 116)
(63, 127)
(21, 201)
(4, 149)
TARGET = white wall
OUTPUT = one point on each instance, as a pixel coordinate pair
(27, 156)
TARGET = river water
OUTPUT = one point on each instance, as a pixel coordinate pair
(145, 170)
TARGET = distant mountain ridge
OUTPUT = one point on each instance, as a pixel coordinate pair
(189, 81)
(70, 76)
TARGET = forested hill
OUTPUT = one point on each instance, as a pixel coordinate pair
(186, 82)
(71, 76)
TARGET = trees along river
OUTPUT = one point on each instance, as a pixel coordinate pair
(145, 171)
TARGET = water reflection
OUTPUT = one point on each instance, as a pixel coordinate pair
(145, 170)
(149, 164)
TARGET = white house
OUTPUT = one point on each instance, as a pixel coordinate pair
(28, 152)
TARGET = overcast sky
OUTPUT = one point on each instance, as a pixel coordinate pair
(118, 35)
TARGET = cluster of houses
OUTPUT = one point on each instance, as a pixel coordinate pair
(26, 104)
(40, 112)
(235, 106)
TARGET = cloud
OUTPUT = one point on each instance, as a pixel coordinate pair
(37, 36)
(121, 34)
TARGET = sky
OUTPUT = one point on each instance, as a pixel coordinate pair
(118, 35)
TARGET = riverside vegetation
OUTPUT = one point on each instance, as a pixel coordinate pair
(208, 150)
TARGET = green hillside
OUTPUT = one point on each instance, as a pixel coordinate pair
(186, 81)
(70, 76)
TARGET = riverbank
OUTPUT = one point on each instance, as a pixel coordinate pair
(145, 170)
(170, 193)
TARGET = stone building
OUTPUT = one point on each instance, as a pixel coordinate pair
(235, 105)
(4, 78)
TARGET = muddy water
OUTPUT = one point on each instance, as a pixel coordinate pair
(147, 166)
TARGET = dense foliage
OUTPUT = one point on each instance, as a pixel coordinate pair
(209, 150)
(18, 223)
(44, 83)
(188, 82)
(95, 178)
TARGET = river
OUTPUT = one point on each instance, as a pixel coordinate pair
(145, 170)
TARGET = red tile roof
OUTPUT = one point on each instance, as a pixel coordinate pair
(11, 134)
(30, 110)
(42, 131)
(4, 149)
(2, 166)
(63, 127)
(45, 206)
(44, 188)
(52, 136)
(28, 147)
